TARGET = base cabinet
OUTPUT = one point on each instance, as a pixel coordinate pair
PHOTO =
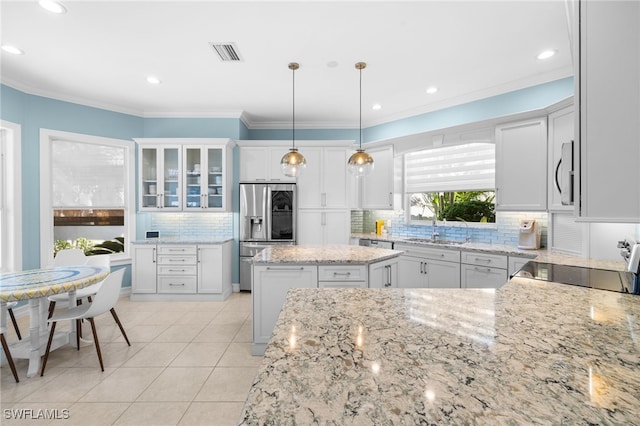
(270, 286)
(425, 267)
(181, 271)
(384, 274)
(479, 270)
(144, 269)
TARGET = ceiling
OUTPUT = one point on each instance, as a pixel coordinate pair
(99, 53)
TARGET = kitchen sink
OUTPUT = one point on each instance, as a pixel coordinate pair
(434, 241)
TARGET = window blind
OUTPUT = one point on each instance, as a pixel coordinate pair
(87, 175)
(467, 167)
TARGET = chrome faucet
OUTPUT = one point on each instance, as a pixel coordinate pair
(467, 237)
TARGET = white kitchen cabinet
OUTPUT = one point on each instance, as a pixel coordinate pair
(426, 267)
(262, 163)
(561, 130)
(482, 270)
(160, 171)
(184, 174)
(342, 276)
(211, 277)
(323, 226)
(377, 188)
(270, 286)
(206, 185)
(181, 271)
(608, 101)
(521, 165)
(323, 183)
(384, 274)
(176, 268)
(144, 269)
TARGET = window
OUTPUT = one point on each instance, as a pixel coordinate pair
(10, 197)
(90, 203)
(453, 183)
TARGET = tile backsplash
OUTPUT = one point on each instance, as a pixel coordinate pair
(505, 230)
(186, 225)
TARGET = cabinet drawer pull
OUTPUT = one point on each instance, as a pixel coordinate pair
(346, 274)
(176, 284)
(177, 270)
(272, 268)
(176, 260)
(171, 249)
(487, 270)
(480, 259)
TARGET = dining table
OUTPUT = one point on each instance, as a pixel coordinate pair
(35, 286)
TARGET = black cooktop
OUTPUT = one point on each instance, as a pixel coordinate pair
(601, 279)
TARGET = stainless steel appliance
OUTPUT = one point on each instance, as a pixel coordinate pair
(268, 215)
(601, 279)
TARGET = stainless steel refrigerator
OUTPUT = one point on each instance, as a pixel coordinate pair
(268, 215)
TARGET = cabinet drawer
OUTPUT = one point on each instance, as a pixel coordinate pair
(176, 250)
(342, 284)
(177, 284)
(176, 260)
(482, 277)
(342, 273)
(482, 259)
(428, 252)
(177, 270)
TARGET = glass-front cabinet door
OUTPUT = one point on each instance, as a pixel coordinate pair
(204, 177)
(188, 174)
(160, 178)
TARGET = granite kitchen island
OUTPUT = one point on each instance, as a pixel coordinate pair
(530, 352)
(277, 269)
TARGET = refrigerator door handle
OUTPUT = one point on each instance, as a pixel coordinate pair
(266, 214)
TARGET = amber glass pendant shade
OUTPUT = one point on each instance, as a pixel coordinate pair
(360, 163)
(293, 163)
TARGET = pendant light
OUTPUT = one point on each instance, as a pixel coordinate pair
(360, 163)
(293, 162)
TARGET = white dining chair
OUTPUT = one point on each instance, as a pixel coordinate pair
(66, 257)
(104, 300)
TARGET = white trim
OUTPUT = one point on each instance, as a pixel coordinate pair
(13, 193)
(47, 136)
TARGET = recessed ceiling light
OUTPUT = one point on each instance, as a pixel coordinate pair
(546, 54)
(332, 64)
(376, 107)
(12, 49)
(52, 6)
(153, 80)
(431, 90)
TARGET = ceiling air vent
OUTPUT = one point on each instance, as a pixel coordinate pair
(226, 51)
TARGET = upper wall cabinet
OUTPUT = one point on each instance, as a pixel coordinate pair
(608, 91)
(561, 130)
(377, 189)
(260, 161)
(521, 165)
(323, 183)
(184, 174)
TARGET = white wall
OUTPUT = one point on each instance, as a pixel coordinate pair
(604, 237)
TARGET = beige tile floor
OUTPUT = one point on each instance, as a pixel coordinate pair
(189, 363)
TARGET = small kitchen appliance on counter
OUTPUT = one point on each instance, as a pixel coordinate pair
(529, 236)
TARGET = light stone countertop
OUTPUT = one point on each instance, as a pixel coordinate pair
(178, 240)
(327, 254)
(531, 352)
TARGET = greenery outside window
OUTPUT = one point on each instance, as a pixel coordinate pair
(453, 183)
(467, 206)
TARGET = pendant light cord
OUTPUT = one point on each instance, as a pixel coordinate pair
(293, 114)
(360, 108)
